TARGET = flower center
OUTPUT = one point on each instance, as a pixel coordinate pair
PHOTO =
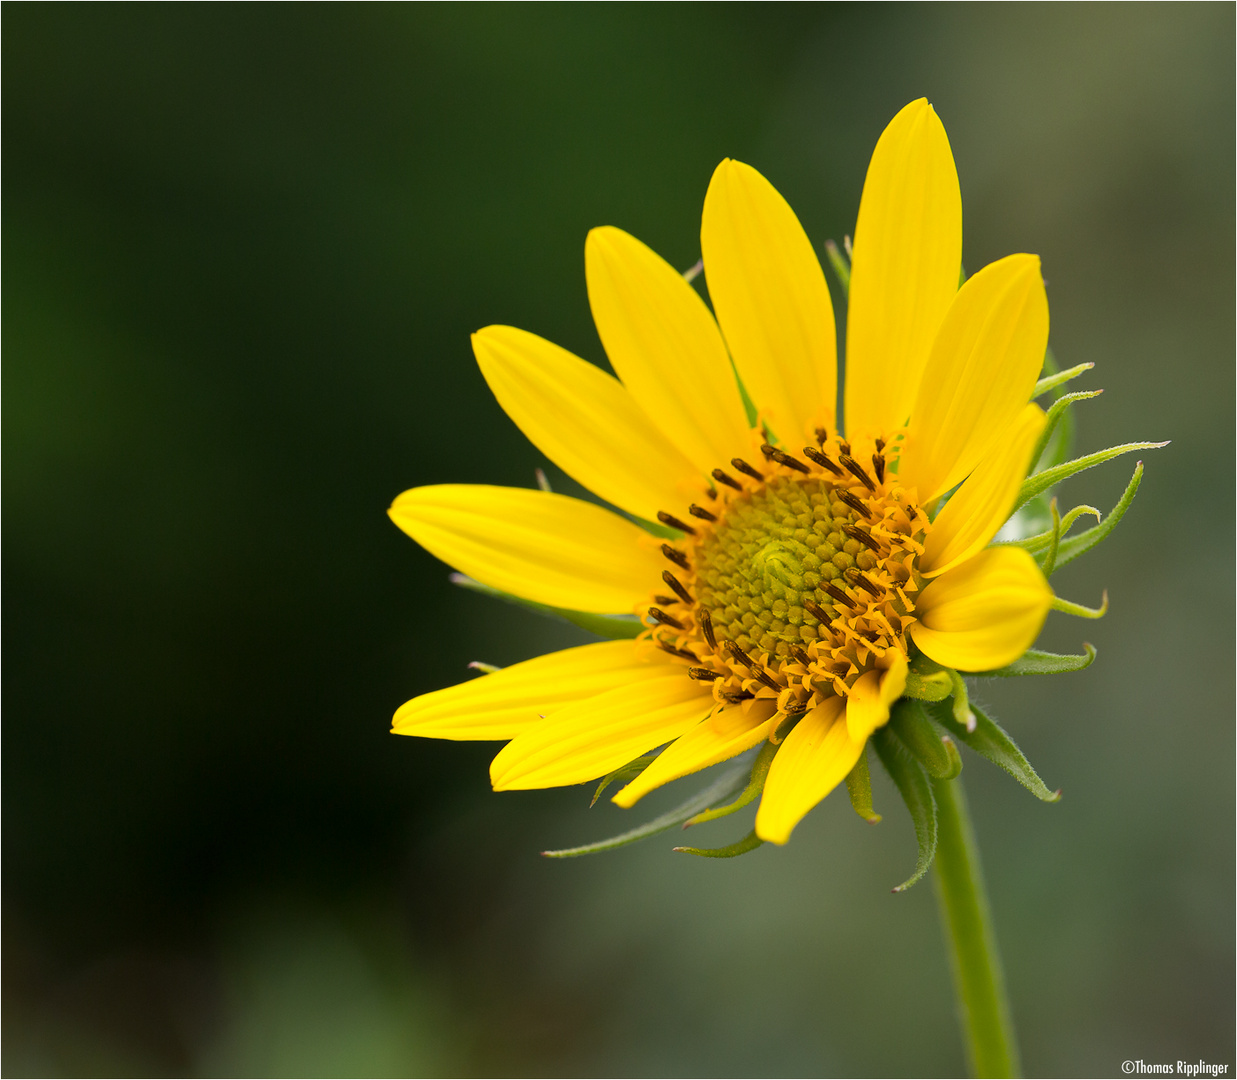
(795, 579)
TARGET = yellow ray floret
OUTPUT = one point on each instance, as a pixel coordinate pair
(664, 345)
(985, 613)
(771, 300)
(907, 260)
(544, 547)
(728, 732)
(583, 420)
(586, 740)
(983, 366)
(813, 760)
(506, 703)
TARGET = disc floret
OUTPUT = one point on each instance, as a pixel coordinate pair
(796, 578)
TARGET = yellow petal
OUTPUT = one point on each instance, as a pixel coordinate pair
(544, 547)
(505, 703)
(983, 366)
(591, 738)
(728, 732)
(813, 760)
(665, 346)
(907, 260)
(583, 420)
(985, 613)
(874, 692)
(771, 300)
(980, 506)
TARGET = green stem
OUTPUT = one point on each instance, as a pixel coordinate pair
(980, 987)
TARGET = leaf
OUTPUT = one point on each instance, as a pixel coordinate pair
(990, 740)
(1084, 542)
(937, 753)
(916, 793)
(725, 785)
(755, 785)
(1042, 481)
(749, 843)
(1034, 662)
(1051, 419)
(607, 626)
(859, 787)
(624, 772)
(1052, 381)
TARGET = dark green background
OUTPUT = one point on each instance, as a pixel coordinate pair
(244, 247)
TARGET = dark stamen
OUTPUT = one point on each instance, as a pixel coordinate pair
(880, 445)
(863, 581)
(701, 513)
(681, 653)
(666, 600)
(853, 502)
(677, 586)
(863, 536)
(800, 655)
(766, 678)
(674, 523)
(870, 635)
(844, 446)
(746, 469)
(706, 626)
(703, 674)
(725, 478)
(783, 458)
(839, 595)
(821, 459)
(675, 556)
(822, 436)
(736, 650)
(816, 611)
(878, 463)
(657, 615)
(733, 697)
(853, 466)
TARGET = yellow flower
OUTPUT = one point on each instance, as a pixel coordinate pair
(798, 569)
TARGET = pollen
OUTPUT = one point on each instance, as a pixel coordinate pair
(795, 579)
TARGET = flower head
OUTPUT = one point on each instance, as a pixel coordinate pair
(803, 568)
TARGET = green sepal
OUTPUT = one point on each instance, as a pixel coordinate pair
(935, 751)
(741, 847)
(1035, 544)
(614, 627)
(1054, 542)
(990, 740)
(916, 792)
(724, 786)
(1053, 417)
(926, 680)
(1082, 543)
(841, 268)
(1081, 611)
(1051, 382)
(755, 785)
(1043, 480)
(859, 787)
(624, 772)
(1034, 662)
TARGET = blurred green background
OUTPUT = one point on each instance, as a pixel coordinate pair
(244, 247)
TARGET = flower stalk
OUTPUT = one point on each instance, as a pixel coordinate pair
(979, 983)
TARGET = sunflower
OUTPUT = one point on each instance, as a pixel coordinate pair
(788, 568)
